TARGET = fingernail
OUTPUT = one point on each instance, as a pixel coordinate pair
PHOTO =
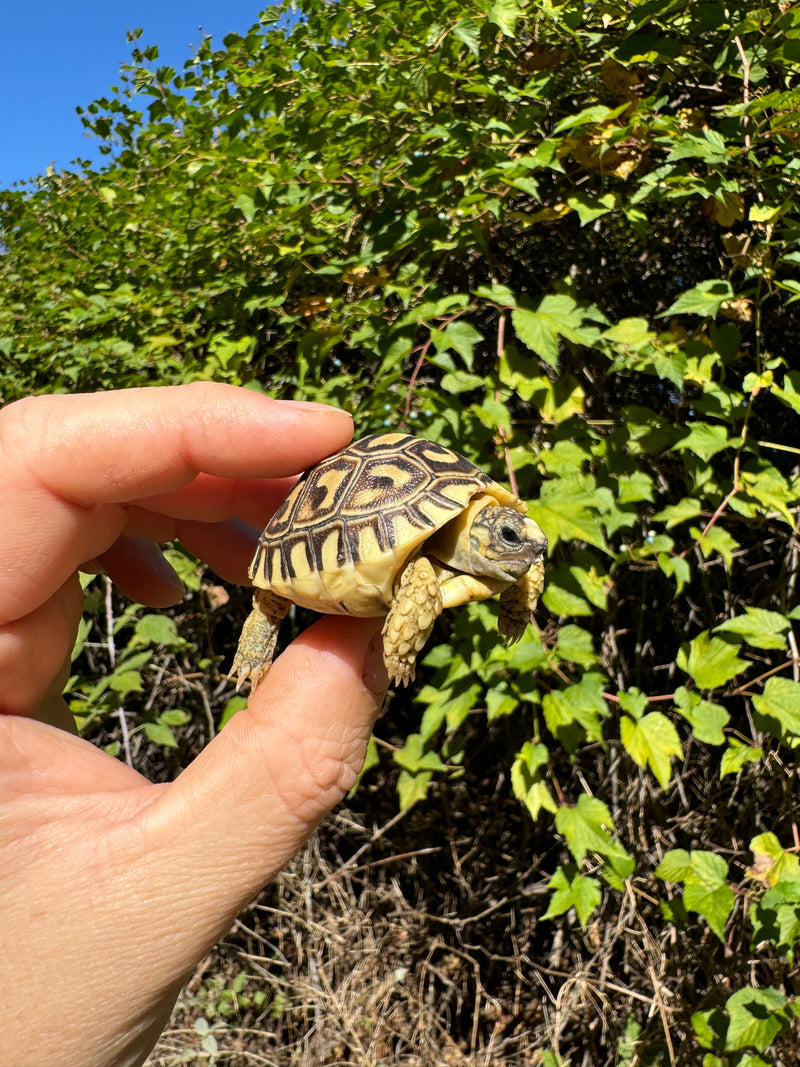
(319, 409)
(167, 573)
(373, 673)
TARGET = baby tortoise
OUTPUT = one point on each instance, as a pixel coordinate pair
(398, 526)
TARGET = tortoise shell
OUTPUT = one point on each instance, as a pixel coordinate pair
(349, 524)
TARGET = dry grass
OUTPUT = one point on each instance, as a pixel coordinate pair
(367, 953)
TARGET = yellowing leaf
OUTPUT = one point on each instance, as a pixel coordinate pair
(653, 741)
(632, 333)
(527, 779)
(771, 862)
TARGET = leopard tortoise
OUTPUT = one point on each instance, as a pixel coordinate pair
(398, 526)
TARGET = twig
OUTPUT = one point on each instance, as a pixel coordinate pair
(413, 379)
(745, 87)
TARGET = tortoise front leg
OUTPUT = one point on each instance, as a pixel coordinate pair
(517, 603)
(416, 604)
(259, 637)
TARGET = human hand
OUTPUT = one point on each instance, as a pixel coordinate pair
(112, 888)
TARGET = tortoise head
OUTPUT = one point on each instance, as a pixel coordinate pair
(490, 540)
(504, 543)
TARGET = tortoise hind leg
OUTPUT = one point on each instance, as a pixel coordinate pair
(259, 636)
(416, 604)
(517, 603)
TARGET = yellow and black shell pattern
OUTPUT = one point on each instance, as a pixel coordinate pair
(346, 528)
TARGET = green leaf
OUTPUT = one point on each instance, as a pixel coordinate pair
(575, 645)
(710, 661)
(590, 116)
(653, 741)
(236, 703)
(706, 890)
(461, 381)
(154, 629)
(634, 702)
(160, 734)
(246, 205)
(789, 393)
(527, 779)
(675, 567)
(685, 510)
(566, 510)
(778, 708)
(500, 702)
(710, 1028)
(175, 717)
(704, 439)
(458, 336)
(714, 540)
(706, 719)
(589, 209)
(573, 890)
(467, 31)
(758, 627)
(710, 147)
(504, 14)
(576, 712)
(586, 828)
(736, 756)
(415, 756)
(635, 487)
(757, 1017)
(770, 489)
(557, 315)
(675, 866)
(125, 682)
(412, 788)
(704, 299)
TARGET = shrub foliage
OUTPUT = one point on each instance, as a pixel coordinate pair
(564, 239)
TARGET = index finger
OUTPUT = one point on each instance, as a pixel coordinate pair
(94, 448)
(71, 463)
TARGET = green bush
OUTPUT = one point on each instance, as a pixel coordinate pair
(564, 239)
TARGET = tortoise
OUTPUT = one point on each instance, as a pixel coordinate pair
(398, 526)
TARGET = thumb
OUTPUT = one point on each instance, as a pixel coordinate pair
(254, 795)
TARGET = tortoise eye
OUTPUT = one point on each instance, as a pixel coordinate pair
(509, 534)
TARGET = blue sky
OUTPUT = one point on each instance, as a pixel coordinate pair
(59, 54)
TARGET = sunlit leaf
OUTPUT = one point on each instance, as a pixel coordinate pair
(710, 661)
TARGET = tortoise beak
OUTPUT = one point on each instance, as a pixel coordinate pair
(536, 541)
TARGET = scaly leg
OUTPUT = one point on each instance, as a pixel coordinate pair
(416, 604)
(259, 636)
(517, 603)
